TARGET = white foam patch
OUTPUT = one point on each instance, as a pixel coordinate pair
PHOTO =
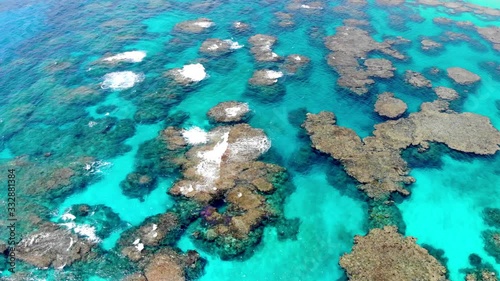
(213, 47)
(305, 6)
(121, 80)
(195, 135)
(83, 230)
(233, 45)
(244, 148)
(235, 110)
(209, 166)
(194, 72)
(132, 56)
(68, 217)
(204, 24)
(271, 74)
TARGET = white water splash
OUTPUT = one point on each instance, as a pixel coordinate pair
(121, 80)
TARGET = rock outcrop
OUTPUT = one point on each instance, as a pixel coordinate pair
(491, 34)
(376, 162)
(349, 46)
(262, 48)
(384, 254)
(389, 106)
(53, 246)
(228, 112)
(445, 93)
(200, 25)
(416, 79)
(428, 45)
(462, 76)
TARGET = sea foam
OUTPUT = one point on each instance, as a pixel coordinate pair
(195, 135)
(194, 72)
(132, 56)
(121, 80)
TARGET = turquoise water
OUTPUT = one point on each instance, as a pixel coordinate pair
(49, 49)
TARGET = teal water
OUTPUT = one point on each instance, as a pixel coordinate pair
(443, 211)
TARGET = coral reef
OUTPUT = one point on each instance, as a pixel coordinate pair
(491, 34)
(376, 161)
(445, 93)
(262, 48)
(491, 217)
(430, 45)
(187, 75)
(295, 63)
(480, 271)
(416, 79)
(221, 167)
(349, 46)
(217, 47)
(389, 106)
(196, 26)
(228, 112)
(53, 246)
(462, 76)
(384, 254)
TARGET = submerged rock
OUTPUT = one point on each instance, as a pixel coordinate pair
(230, 111)
(389, 106)
(492, 34)
(294, 63)
(265, 77)
(241, 27)
(194, 26)
(491, 240)
(168, 265)
(53, 246)
(349, 46)
(384, 254)
(390, 2)
(285, 20)
(416, 79)
(376, 161)
(217, 47)
(261, 48)
(188, 74)
(462, 76)
(445, 93)
(428, 44)
(223, 169)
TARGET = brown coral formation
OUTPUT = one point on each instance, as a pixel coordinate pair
(200, 25)
(492, 34)
(225, 167)
(262, 48)
(229, 111)
(389, 106)
(216, 47)
(428, 44)
(376, 162)
(52, 246)
(294, 63)
(350, 45)
(445, 93)
(390, 2)
(416, 79)
(168, 265)
(285, 20)
(462, 76)
(265, 77)
(484, 275)
(462, 7)
(384, 254)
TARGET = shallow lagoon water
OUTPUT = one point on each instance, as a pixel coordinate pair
(443, 200)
